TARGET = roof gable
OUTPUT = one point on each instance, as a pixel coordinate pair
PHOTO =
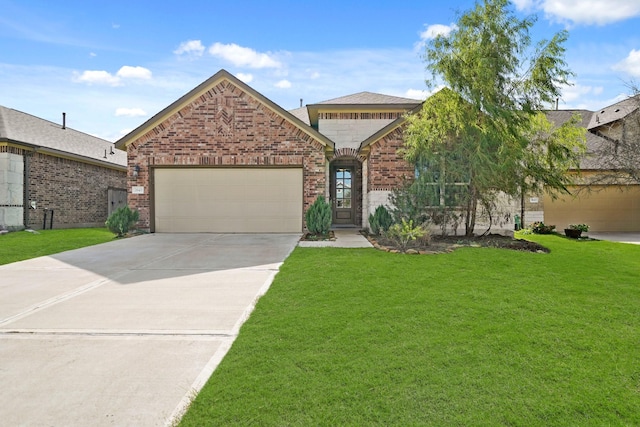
(206, 86)
(614, 112)
(25, 129)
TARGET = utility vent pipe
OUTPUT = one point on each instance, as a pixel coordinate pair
(64, 120)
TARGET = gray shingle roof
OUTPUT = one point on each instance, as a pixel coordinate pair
(369, 98)
(595, 143)
(614, 112)
(302, 114)
(23, 128)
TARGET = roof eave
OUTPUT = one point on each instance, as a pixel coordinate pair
(63, 154)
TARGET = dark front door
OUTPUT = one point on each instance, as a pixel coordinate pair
(343, 194)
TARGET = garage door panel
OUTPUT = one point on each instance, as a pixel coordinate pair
(228, 200)
(604, 209)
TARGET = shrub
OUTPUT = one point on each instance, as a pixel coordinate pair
(538, 227)
(318, 217)
(122, 220)
(582, 227)
(380, 220)
(404, 233)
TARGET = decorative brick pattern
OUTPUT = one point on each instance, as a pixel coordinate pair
(225, 126)
(348, 153)
(387, 169)
(77, 192)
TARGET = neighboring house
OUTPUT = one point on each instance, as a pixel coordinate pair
(604, 205)
(223, 158)
(47, 169)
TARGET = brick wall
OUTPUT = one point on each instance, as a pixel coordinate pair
(387, 168)
(225, 127)
(76, 191)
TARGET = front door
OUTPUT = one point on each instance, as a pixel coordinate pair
(343, 194)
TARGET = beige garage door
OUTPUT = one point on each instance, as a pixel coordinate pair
(222, 200)
(605, 209)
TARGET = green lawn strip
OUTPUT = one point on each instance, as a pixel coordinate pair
(21, 245)
(475, 337)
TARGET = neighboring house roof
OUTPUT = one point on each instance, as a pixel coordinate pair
(614, 112)
(42, 135)
(208, 85)
(595, 143)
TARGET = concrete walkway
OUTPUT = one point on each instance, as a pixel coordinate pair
(344, 238)
(125, 333)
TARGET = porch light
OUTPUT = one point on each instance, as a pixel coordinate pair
(136, 171)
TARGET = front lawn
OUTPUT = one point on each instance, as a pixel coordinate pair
(478, 337)
(21, 245)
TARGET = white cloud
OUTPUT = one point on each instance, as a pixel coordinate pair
(432, 31)
(630, 65)
(243, 56)
(130, 112)
(283, 84)
(190, 47)
(93, 54)
(102, 77)
(587, 12)
(128, 72)
(98, 77)
(245, 77)
(576, 91)
(420, 94)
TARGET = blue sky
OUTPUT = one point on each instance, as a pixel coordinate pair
(112, 65)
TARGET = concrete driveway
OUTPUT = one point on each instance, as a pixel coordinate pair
(123, 333)
(622, 237)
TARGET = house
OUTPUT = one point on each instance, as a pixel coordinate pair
(223, 158)
(603, 197)
(52, 174)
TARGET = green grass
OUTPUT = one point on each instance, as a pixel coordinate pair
(21, 245)
(478, 337)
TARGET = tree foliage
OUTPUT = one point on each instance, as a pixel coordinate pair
(479, 130)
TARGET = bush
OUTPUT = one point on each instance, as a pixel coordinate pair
(318, 217)
(122, 220)
(582, 227)
(380, 220)
(538, 227)
(404, 233)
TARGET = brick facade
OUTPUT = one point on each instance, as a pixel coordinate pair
(76, 191)
(224, 126)
(387, 169)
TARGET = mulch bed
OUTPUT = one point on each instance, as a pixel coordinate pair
(443, 244)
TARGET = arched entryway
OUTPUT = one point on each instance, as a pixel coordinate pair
(345, 191)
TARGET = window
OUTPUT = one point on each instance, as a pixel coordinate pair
(441, 188)
(343, 188)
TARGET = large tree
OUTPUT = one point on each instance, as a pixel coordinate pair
(479, 131)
